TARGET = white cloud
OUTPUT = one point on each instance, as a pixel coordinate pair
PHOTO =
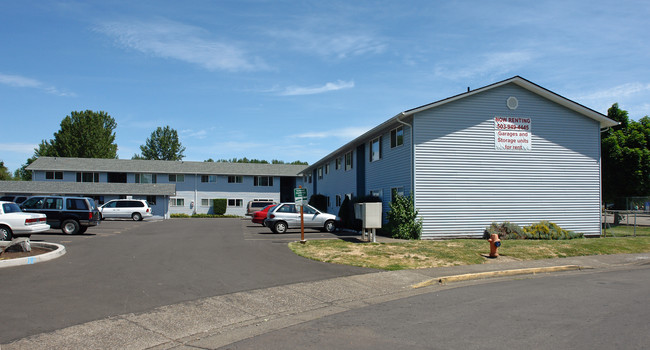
(491, 64)
(24, 82)
(343, 133)
(616, 92)
(298, 90)
(169, 39)
(18, 147)
(201, 134)
(332, 45)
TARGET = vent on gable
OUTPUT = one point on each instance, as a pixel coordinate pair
(512, 102)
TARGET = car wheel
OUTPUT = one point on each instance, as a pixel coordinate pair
(330, 226)
(82, 230)
(136, 216)
(280, 227)
(5, 233)
(70, 227)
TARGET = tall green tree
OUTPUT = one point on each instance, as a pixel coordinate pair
(625, 153)
(163, 144)
(5, 175)
(86, 134)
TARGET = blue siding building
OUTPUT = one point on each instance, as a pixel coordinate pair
(510, 151)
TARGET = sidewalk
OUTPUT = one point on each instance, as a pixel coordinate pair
(221, 320)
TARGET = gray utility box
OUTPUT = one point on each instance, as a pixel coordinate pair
(369, 213)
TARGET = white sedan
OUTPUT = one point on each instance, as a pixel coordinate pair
(13, 222)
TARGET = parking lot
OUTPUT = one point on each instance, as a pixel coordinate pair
(124, 266)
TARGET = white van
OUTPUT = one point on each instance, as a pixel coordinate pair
(136, 209)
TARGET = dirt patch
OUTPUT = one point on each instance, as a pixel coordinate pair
(14, 255)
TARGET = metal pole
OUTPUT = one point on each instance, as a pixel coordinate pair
(302, 225)
(605, 225)
(634, 224)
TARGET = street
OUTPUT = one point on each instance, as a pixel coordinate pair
(583, 310)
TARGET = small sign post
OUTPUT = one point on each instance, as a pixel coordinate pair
(300, 198)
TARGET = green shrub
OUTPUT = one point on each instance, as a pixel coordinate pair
(219, 206)
(178, 215)
(505, 230)
(214, 216)
(539, 230)
(319, 202)
(549, 230)
(403, 222)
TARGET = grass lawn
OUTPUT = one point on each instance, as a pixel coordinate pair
(425, 254)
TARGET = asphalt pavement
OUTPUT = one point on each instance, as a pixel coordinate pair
(220, 320)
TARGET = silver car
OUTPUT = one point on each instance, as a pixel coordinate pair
(287, 215)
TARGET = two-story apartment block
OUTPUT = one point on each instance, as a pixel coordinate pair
(169, 186)
(510, 151)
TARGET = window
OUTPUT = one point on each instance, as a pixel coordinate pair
(151, 200)
(327, 168)
(263, 181)
(87, 177)
(348, 161)
(235, 202)
(376, 193)
(337, 163)
(309, 178)
(145, 178)
(206, 202)
(55, 203)
(328, 201)
(396, 191)
(375, 149)
(235, 179)
(338, 200)
(177, 202)
(53, 175)
(176, 178)
(397, 137)
(320, 173)
(208, 178)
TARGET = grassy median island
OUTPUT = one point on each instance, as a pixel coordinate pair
(425, 254)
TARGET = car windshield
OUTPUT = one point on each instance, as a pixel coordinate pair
(10, 208)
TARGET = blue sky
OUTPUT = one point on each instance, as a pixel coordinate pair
(295, 80)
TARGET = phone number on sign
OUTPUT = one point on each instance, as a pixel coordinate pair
(512, 126)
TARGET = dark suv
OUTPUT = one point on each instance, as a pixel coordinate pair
(72, 214)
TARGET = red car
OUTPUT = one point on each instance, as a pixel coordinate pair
(260, 216)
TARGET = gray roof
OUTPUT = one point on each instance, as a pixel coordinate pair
(163, 166)
(85, 188)
(405, 115)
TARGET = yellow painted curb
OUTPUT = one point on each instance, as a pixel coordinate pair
(481, 275)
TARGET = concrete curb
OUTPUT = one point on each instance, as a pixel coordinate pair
(482, 275)
(57, 251)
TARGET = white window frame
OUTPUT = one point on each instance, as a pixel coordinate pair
(174, 202)
(209, 201)
(176, 178)
(209, 178)
(338, 200)
(399, 190)
(55, 175)
(257, 181)
(327, 168)
(349, 156)
(377, 193)
(235, 202)
(375, 155)
(320, 173)
(337, 163)
(235, 179)
(152, 178)
(395, 141)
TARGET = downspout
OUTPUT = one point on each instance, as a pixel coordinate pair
(412, 154)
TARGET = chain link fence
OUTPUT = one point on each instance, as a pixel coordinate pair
(625, 223)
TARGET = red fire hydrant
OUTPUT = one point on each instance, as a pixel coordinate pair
(495, 243)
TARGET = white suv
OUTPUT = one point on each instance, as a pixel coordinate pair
(136, 209)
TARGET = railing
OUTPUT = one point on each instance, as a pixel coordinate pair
(626, 218)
